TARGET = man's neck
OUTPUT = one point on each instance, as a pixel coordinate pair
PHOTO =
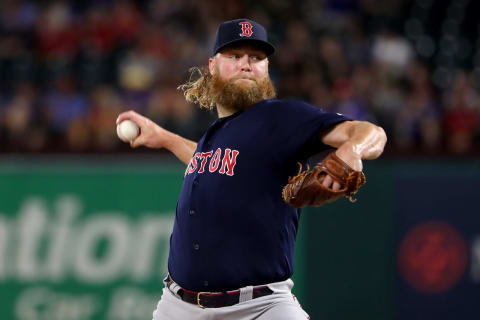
(224, 112)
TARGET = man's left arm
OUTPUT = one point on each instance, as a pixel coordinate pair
(355, 141)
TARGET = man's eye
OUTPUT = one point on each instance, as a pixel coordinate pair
(235, 56)
(255, 58)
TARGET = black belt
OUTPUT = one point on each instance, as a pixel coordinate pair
(217, 299)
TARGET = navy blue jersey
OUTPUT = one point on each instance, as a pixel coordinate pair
(232, 228)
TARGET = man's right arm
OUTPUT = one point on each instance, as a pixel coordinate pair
(154, 136)
(181, 147)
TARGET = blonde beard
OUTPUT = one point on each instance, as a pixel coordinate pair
(235, 97)
(208, 91)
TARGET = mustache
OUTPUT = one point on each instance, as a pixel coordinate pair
(255, 80)
(248, 78)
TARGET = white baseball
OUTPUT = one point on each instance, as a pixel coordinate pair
(127, 130)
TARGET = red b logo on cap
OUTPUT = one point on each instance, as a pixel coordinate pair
(246, 29)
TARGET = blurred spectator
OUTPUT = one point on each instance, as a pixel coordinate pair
(388, 99)
(418, 123)
(347, 104)
(392, 53)
(332, 54)
(356, 44)
(322, 97)
(128, 21)
(18, 16)
(16, 63)
(65, 107)
(56, 40)
(462, 114)
(170, 110)
(105, 106)
(137, 71)
(23, 131)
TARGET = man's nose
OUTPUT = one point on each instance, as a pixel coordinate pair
(245, 63)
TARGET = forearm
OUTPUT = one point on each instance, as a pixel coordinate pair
(356, 141)
(181, 147)
(366, 140)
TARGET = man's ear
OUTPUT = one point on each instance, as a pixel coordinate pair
(211, 65)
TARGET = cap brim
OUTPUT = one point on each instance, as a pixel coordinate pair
(267, 47)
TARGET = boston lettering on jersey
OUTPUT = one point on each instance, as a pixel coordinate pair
(225, 160)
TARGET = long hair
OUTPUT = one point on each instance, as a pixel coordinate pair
(198, 90)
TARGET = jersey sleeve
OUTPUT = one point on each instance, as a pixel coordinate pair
(296, 128)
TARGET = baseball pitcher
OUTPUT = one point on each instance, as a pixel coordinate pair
(232, 245)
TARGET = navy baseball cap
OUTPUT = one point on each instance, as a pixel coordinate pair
(239, 30)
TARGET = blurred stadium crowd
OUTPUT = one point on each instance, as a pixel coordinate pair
(68, 68)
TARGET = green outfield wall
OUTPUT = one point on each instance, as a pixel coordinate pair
(351, 249)
(88, 239)
(84, 241)
(350, 252)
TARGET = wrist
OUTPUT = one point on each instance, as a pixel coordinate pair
(351, 155)
(350, 149)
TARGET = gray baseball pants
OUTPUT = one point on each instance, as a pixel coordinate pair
(280, 305)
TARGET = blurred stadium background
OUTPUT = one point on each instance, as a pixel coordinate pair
(85, 220)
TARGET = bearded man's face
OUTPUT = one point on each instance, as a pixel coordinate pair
(240, 77)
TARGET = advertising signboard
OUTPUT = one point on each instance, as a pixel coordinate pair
(85, 242)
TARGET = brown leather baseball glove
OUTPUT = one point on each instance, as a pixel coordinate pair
(306, 189)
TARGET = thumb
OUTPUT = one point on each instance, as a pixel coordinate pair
(137, 142)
